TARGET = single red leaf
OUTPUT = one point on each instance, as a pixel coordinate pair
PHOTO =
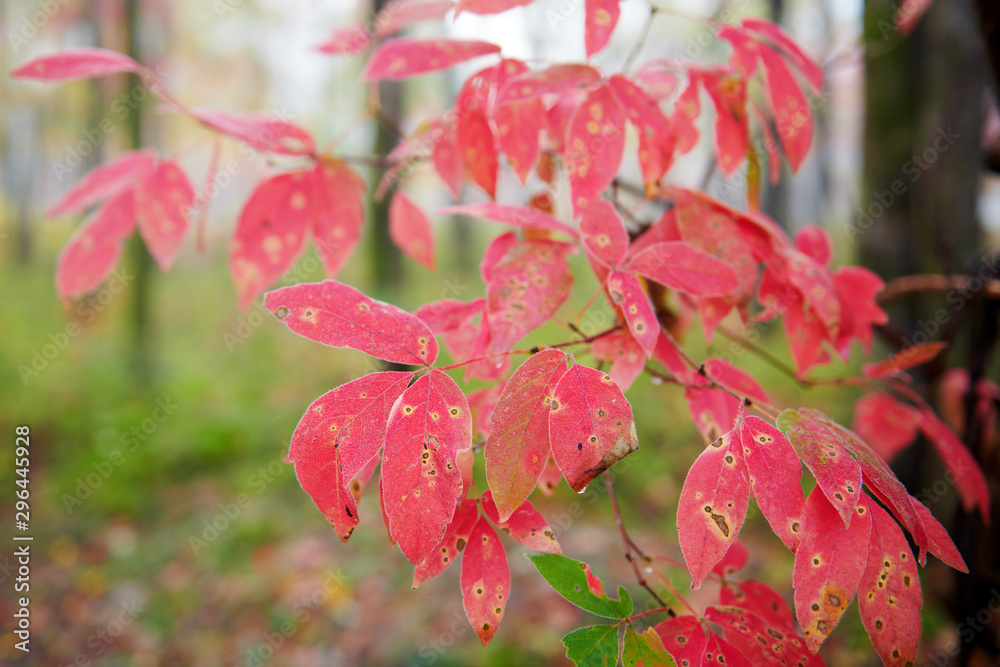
(720, 652)
(398, 15)
(104, 181)
(659, 78)
(600, 21)
(358, 483)
(729, 95)
(338, 315)
(789, 48)
(410, 229)
(733, 561)
(760, 599)
(595, 143)
(162, 202)
(889, 598)
(641, 109)
(627, 293)
(604, 233)
(837, 473)
(590, 425)
(725, 373)
(776, 478)
(266, 133)
(625, 354)
(518, 446)
(339, 434)
(421, 483)
(456, 538)
(828, 566)
(448, 314)
(550, 477)
(93, 251)
(489, 6)
(485, 581)
(686, 112)
(270, 233)
(525, 524)
(816, 286)
(938, 540)
(518, 127)
(789, 106)
(338, 213)
(476, 141)
(746, 49)
(74, 64)
(886, 424)
(911, 357)
(527, 287)
(757, 639)
(815, 241)
(963, 470)
(405, 57)
(346, 40)
(857, 288)
(712, 505)
(908, 14)
(684, 267)
(517, 216)
(713, 411)
(447, 157)
(684, 638)
(551, 80)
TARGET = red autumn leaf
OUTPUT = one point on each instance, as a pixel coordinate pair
(518, 127)
(857, 288)
(963, 470)
(641, 109)
(398, 15)
(659, 78)
(886, 424)
(626, 292)
(340, 433)
(729, 95)
(684, 267)
(485, 581)
(489, 6)
(746, 49)
(527, 287)
(267, 134)
(518, 446)
(604, 233)
(939, 542)
(684, 638)
(911, 357)
(162, 202)
(889, 598)
(104, 181)
(600, 21)
(712, 506)
(74, 64)
(410, 229)
(736, 379)
(447, 157)
(759, 598)
(474, 136)
(270, 233)
(550, 477)
(517, 216)
(483, 402)
(448, 314)
(456, 538)
(908, 14)
(720, 652)
(421, 483)
(791, 50)
(789, 106)
(712, 410)
(346, 40)
(837, 473)
(360, 481)
(625, 354)
(757, 639)
(686, 112)
(93, 251)
(828, 566)
(816, 286)
(776, 478)
(551, 80)
(338, 315)
(815, 241)
(525, 525)
(405, 57)
(595, 143)
(733, 561)
(338, 213)
(590, 425)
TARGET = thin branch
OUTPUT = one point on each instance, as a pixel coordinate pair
(760, 352)
(924, 283)
(641, 42)
(628, 543)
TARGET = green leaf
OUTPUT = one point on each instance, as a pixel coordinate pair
(596, 646)
(568, 577)
(645, 650)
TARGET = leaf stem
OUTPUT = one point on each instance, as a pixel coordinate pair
(628, 543)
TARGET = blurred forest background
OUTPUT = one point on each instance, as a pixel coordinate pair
(168, 527)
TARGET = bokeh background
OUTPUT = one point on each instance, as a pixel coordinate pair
(168, 527)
